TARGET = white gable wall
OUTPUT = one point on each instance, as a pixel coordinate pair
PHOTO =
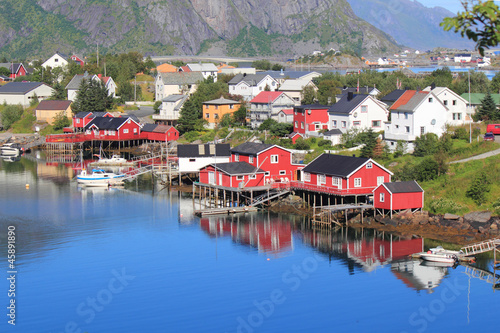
(374, 117)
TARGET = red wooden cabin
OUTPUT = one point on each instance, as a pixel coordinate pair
(398, 196)
(113, 129)
(343, 175)
(310, 118)
(82, 119)
(275, 160)
(232, 174)
(161, 133)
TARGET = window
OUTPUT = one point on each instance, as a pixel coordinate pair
(457, 116)
(380, 180)
(125, 131)
(78, 121)
(135, 130)
(268, 173)
(397, 126)
(357, 123)
(112, 132)
(406, 115)
(307, 176)
(216, 107)
(302, 125)
(240, 177)
(216, 116)
(207, 115)
(369, 165)
(445, 102)
(334, 123)
(252, 177)
(454, 102)
(344, 124)
(364, 108)
(250, 159)
(382, 197)
(274, 158)
(422, 130)
(231, 106)
(317, 127)
(376, 123)
(407, 129)
(296, 124)
(56, 60)
(321, 179)
(336, 181)
(237, 157)
(192, 160)
(430, 99)
(282, 172)
(357, 182)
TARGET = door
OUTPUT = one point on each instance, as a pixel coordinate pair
(211, 178)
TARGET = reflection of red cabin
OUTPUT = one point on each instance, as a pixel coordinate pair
(398, 196)
(275, 160)
(82, 119)
(109, 128)
(310, 118)
(343, 175)
(161, 133)
(232, 174)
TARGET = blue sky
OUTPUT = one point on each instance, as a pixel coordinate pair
(452, 5)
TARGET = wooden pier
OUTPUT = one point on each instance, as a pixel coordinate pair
(329, 215)
(225, 211)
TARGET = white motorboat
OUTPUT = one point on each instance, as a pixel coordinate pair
(10, 149)
(439, 254)
(99, 177)
(115, 160)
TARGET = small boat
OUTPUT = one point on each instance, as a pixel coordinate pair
(439, 254)
(99, 177)
(116, 160)
(11, 149)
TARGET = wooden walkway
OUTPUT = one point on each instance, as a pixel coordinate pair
(481, 247)
(224, 211)
(328, 215)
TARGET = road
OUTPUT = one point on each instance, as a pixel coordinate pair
(481, 156)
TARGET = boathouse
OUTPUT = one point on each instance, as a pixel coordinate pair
(162, 133)
(395, 197)
(82, 119)
(113, 129)
(342, 175)
(275, 160)
(194, 157)
(233, 175)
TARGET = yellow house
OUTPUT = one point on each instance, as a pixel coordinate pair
(48, 110)
(214, 110)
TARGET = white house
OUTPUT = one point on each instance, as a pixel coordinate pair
(206, 69)
(57, 60)
(181, 83)
(413, 114)
(267, 105)
(293, 88)
(251, 85)
(110, 84)
(334, 136)
(170, 110)
(194, 157)
(463, 57)
(23, 93)
(457, 106)
(74, 85)
(357, 112)
(285, 116)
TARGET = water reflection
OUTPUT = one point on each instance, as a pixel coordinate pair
(419, 275)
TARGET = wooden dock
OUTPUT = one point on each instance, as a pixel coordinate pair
(328, 215)
(224, 211)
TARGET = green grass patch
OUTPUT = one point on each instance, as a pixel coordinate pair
(25, 124)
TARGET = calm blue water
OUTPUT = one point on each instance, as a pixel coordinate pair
(134, 261)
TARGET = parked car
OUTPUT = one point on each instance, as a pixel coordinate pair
(493, 128)
(489, 137)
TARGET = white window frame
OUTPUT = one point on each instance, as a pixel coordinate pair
(274, 159)
(240, 177)
(250, 159)
(236, 157)
(307, 177)
(321, 179)
(282, 172)
(357, 182)
(382, 196)
(125, 130)
(252, 176)
(369, 165)
(380, 180)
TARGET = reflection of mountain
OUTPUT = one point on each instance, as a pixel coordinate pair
(364, 249)
(267, 234)
(418, 275)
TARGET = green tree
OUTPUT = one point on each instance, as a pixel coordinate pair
(240, 115)
(11, 114)
(59, 92)
(426, 144)
(487, 110)
(478, 188)
(495, 83)
(281, 129)
(225, 120)
(61, 121)
(370, 141)
(4, 71)
(125, 91)
(401, 148)
(427, 169)
(309, 95)
(264, 65)
(267, 124)
(156, 106)
(327, 91)
(92, 96)
(479, 22)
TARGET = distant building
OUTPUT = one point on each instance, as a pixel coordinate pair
(170, 110)
(294, 88)
(250, 85)
(192, 158)
(16, 69)
(23, 93)
(179, 83)
(310, 119)
(57, 60)
(463, 57)
(268, 104)
(74, 85)
(47, 110)
(206, 69)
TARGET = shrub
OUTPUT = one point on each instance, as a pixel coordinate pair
(11, 114)
(192, 135)
(324, 142)
(478, 188)
(426, 144)
(444, 205)
(496, 206)
(301, 144)
(461, 134)
(61, 121)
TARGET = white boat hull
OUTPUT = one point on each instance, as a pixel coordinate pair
(100, 178)
(444, 258)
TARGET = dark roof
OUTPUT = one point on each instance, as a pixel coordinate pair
(250, 148)
(13, 67)
(82, 114)
(221, 149)
(393, 96)
(356, 90)
(76, 81)
(311, 107)
(237, 168)
(53, 105)
(102, 113)
(346, 105)
(251, 79)
(335, 165)
(19, 87)
(334, 131)
(107, 123)
(148, 127)
(404, 187)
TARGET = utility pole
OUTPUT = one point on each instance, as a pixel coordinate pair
(97, 54)
(470, 123)
(135, 89)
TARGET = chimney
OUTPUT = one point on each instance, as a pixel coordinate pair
(433, 86)
(350, 96)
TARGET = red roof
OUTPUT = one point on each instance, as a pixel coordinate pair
(287, 111)
(184, 69)
(405, 98)
(162, 129)
(53, 105)
(265, 97)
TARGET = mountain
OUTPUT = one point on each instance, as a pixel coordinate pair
(176, 27)
(410, 23)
